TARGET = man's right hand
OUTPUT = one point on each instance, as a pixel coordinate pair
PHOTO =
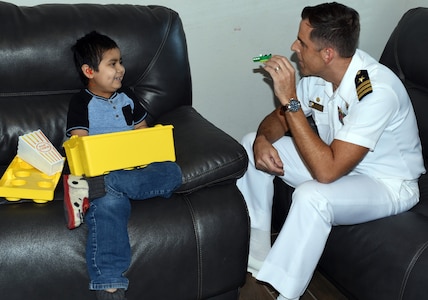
(266, 157)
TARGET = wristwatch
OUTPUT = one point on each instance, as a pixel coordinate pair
(292, 106)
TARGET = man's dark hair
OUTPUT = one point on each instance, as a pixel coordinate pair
(334, 25)
(90, 50)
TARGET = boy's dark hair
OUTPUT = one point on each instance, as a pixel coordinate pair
(90, 50)
(334, 25)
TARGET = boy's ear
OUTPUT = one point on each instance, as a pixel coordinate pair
(87, 71)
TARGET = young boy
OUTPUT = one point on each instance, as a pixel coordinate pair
(105, 107)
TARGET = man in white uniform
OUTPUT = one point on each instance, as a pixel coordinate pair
(363, 165)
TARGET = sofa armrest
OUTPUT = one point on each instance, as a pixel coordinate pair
(206, 154)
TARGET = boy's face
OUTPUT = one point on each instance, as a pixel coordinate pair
(108, 78)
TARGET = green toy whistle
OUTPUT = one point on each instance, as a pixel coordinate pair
(262, 58)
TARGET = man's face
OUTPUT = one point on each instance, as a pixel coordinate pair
(108, 78)
(308, 53)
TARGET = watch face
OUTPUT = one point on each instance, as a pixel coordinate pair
(294, 105)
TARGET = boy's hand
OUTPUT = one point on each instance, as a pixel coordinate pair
(141, 125)
(79, 132)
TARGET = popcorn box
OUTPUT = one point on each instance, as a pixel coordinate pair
(22, 181)
(99, 154)
(37, 150)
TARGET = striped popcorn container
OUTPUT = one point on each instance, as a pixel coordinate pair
(38, 151)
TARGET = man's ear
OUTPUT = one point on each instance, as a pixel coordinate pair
(87, 71)
(328, 54)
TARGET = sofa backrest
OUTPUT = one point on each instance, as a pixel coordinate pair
(38, 76)
(406, 53)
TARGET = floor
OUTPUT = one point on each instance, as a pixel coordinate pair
(319, 289)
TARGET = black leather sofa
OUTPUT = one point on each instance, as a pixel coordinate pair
(191, 246)
(385, 259)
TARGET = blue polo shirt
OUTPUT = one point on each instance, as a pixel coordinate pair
(98, 115)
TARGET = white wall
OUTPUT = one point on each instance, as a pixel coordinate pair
(224, 35)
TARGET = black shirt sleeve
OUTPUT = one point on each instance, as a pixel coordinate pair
(77, 116)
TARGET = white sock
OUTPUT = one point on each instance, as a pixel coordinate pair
(254, 266)
(260, 244)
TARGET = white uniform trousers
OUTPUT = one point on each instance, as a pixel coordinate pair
(289, 265)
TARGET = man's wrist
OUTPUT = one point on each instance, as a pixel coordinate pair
(293, 105)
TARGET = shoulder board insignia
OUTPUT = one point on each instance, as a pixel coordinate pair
(362, 84)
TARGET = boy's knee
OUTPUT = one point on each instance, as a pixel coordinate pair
(174, 172)
(173, 168)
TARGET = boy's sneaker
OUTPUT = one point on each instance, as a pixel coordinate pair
(118, 295)
(76, 201)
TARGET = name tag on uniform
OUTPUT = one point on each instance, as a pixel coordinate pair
(316, 106)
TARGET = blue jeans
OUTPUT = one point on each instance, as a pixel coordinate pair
(108, 252)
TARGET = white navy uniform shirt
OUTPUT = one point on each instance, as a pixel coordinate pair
(379, 116)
